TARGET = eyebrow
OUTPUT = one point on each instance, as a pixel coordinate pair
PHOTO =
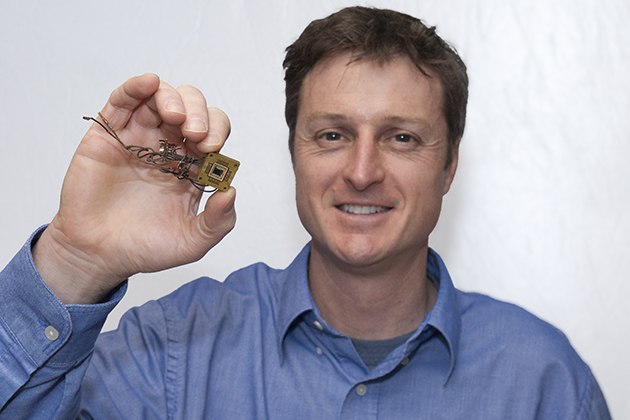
(326, 116)
(392, 119)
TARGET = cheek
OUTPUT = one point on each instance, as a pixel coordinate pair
(305, 188)
(303, 180)
(313, 175)
(421, 188)
(315, 184)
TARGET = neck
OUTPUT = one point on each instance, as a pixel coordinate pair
(376, 302)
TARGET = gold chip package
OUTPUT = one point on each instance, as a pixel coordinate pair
(218, 171)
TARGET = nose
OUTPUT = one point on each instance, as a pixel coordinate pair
(364, 164)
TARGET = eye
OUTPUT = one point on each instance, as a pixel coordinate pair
(332, 136)
(403, 138)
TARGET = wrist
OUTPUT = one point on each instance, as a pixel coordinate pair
(72, 274)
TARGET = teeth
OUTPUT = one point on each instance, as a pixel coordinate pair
(349, 208)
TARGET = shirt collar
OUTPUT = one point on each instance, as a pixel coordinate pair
(294, 295)
(294, 299)
(445, 316)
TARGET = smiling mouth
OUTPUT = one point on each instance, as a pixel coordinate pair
(353, 209)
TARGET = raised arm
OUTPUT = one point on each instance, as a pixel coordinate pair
(119, 217)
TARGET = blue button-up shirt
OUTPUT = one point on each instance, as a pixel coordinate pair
(256, 347)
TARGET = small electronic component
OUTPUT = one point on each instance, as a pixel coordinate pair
(217, 171)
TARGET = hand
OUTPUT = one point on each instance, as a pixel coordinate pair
(119, 216)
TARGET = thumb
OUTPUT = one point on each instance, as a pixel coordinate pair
(218, 217)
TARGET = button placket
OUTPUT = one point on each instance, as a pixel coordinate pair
(319, 327)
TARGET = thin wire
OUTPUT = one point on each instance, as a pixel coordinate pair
(162, 159)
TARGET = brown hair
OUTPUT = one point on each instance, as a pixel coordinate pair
(380, 35)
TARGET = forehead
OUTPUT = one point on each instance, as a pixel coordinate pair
(368, 89)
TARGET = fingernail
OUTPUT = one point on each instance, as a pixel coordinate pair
(176, 107)
(196, 125)
(211, 140)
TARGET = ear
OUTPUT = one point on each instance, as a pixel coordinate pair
(450, 170)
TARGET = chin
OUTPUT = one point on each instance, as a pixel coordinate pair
(358, 253)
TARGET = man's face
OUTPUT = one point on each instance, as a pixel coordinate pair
(370, 156)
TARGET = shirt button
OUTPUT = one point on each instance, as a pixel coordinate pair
(318, 325)
(51, 333)
(361, 390)
(405, 361)
(318, 351)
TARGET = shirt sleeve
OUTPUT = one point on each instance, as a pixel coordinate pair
(45, 346)
(594, 405)
(135, 369)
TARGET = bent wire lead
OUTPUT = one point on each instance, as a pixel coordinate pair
(216, 170)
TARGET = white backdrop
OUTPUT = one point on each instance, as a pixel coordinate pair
(538, 211)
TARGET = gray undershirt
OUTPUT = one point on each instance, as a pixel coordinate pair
(373, 352)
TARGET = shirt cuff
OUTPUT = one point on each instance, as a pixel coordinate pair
(39, 323)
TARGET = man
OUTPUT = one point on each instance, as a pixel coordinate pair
(365, 323)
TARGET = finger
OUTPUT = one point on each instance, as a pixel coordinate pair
(217, 219)
(196, 125)
(168, 104)
(218, 132)
(127, 97)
